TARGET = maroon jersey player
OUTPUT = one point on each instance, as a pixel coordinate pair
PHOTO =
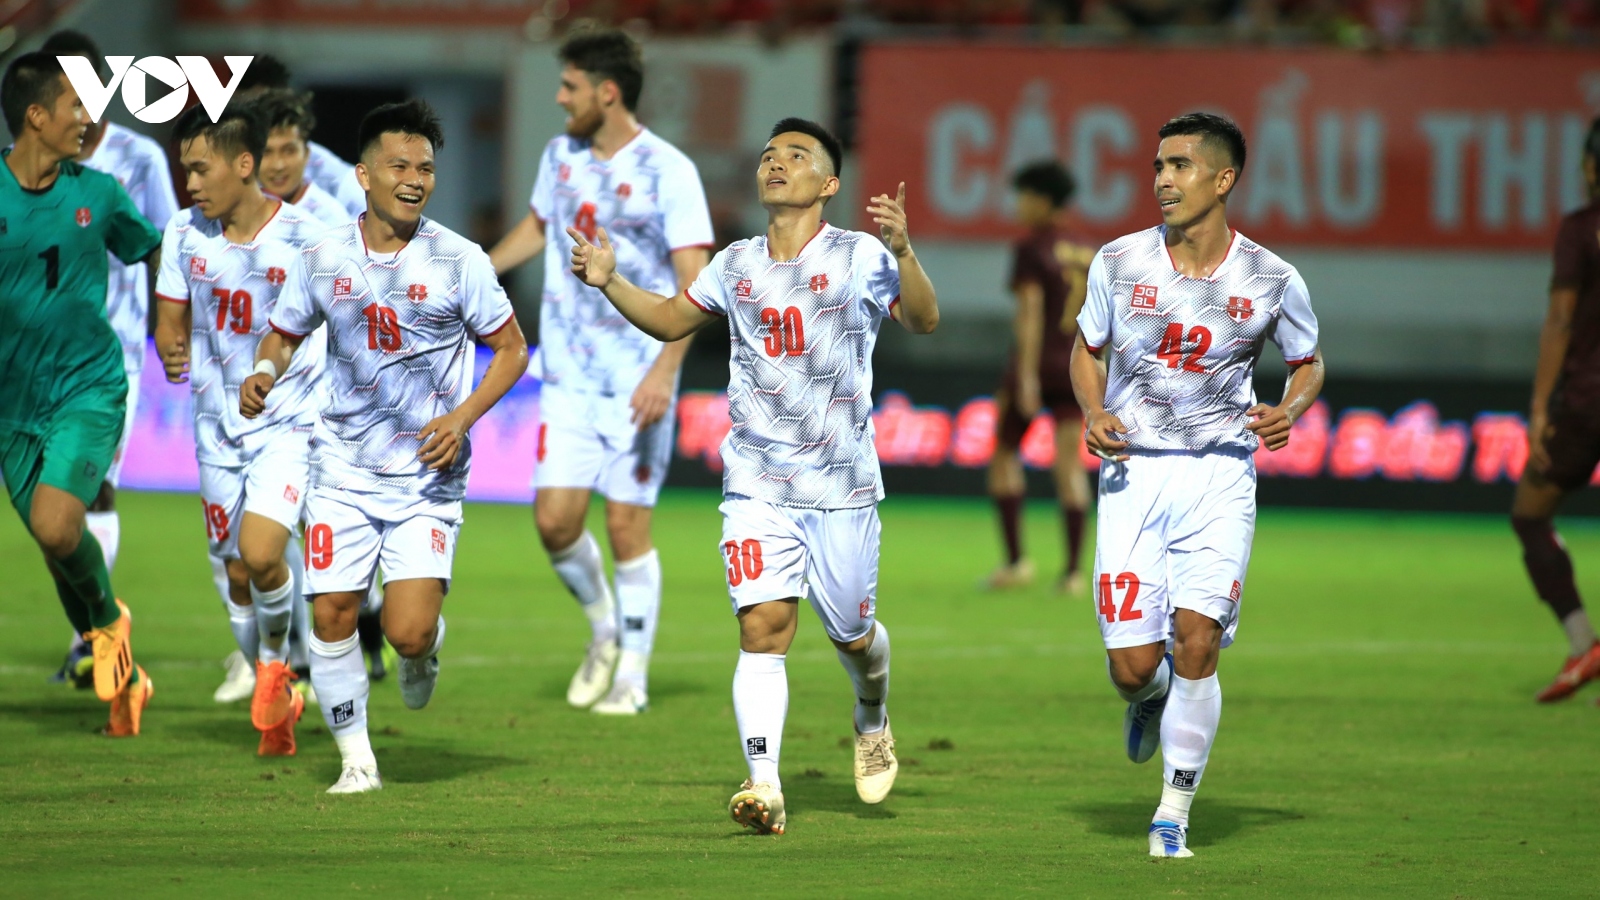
(1564, 426)
(1048, 274)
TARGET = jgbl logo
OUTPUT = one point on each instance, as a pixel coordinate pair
(188, 71)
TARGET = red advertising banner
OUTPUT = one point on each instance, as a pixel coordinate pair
(1468, 149)
(374, 13)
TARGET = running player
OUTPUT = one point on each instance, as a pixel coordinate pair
(64, 403)
(1175, 320)
(801, 485)
(140, 166)
(402, 297)
(1564, 428)
(289, 121)
(609, 390)
(1048, 273)
(224, 262)
(324, 168)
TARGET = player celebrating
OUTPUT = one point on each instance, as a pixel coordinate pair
(1047, 277)
(1167, 343)
(223, 265)
(402, 297)
(63, 406)
(801, 485)
(140, 166)
(606, 408)
(324, 168)
(1564, 427)
(289, 121)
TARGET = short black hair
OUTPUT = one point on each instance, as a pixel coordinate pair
(1212, 129)
(407, 117)
(285, 108)
(830, 144)
(240, 129)
(1049, 179)
(264, 71)
(607, 55)
(31, 78)
(67, 42)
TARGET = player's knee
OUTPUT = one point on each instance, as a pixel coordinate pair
(264, 568)
(1131, 675)
(629, 531)
(1531, 529)
(557, 531)
(238, 574)
(58, 538)
(333, 617)
(410, 641)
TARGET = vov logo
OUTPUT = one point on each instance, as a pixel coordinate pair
(186, 72)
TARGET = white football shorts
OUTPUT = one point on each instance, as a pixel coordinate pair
(1173, 532)
(588, 441)
(345, 544)
(274, 484)
(114, 473)
(829, 556)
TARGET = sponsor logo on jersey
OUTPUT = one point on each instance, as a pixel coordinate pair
(1184, 778)
(84, 217)
(417, 293)
(819, 283)
(438, 541)
(565, 172)
(1239, 308)
(755, 746)
(624, 190)
(344, 712)
(290, 494)
(1237, 590)
(1144, 296)
(197, 266)
(866, 607)
(741, 291)
(341, 287)
(276, 275)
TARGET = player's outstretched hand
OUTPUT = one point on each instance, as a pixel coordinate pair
(890, 214)
(1098, 433)
(175, 360)
(253, 394)
(593, 264)
(1271, 425)
(442, 440)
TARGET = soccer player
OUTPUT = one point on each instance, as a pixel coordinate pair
(289, 120)
(140, 166)
(401, 297)
(64, 404)
(1168, 338)
(1564, 427)
(1048, 273)
(324, 168)
(609, 390)
(801, 484)
(224, 262)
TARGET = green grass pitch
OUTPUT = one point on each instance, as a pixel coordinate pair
(1378, 734)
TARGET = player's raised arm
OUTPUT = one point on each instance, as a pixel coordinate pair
(918, 309)
(522, 243)
(663, 318)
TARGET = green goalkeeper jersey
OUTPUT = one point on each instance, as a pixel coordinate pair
(57, 348)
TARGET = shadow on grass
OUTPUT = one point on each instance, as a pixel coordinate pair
(426, 763)
(1213, 821)
(74, 712)
(836, 795)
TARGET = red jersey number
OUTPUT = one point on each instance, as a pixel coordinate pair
(319, 547)
(235, 310)
(1128, 583)
(383, 328)
(584, 222)
(1173, 350)
(216, 520)
(786, 331)
(744, 561)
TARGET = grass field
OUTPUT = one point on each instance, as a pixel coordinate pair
(1378, 735)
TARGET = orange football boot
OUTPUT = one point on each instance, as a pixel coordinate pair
(128, 706)
(1574, 674)
(271, 704)
(113, 654)
(279, 739)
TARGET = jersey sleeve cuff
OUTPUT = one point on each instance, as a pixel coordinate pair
(286, 332)
(893, 303)
(703, 245)
(1302, 360)
(183, 300)
(703, 308)
(1093, 348)
(499, 328)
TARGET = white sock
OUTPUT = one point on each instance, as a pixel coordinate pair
(1188, 728)
(299, 607)
(639, 607)
(107, 529)
(274, 614)
(583, 572)
(1580, 634)
(1158, 684)
(339, 675)
(760, 704)
(438, 641)
(242, 619)
(219, 580)
(869, 672)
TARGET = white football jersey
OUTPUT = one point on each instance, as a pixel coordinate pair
(1180, 370)
(322, 205)
(140, 166)
(800, 371)
(232, 290)
(326, 170)
(649, 200)
(400, 352)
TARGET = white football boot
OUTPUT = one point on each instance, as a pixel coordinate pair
(593, 677)
(876, 765)
(626, 699)
(1170, 840)
(357, 780)
(758, 806)
(240, 682)
(417, 678)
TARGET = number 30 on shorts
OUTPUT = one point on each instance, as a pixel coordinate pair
(744, 561)
(1128, 583)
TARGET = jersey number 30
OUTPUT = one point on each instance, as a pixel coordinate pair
(786, 333)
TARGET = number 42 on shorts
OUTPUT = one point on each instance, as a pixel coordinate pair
(1128, 584)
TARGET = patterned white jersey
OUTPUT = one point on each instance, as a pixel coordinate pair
(322, 205)
(232, 290)
(649, 200)
(326, 170)
(140, 166)
(800, 370)
(400, 352)
(1184, 350)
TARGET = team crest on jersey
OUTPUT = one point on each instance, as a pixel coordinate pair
(438, 541)
(341, 287)
(624, 190)
(84, 217)
(1144, 296)
(866, 608)
(641, 473)
(819, 283)
(417, 293)
(741, 291)
(565, 172)
(1237, 590)
(276, 275)
(1239, 308)
(197, 266)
